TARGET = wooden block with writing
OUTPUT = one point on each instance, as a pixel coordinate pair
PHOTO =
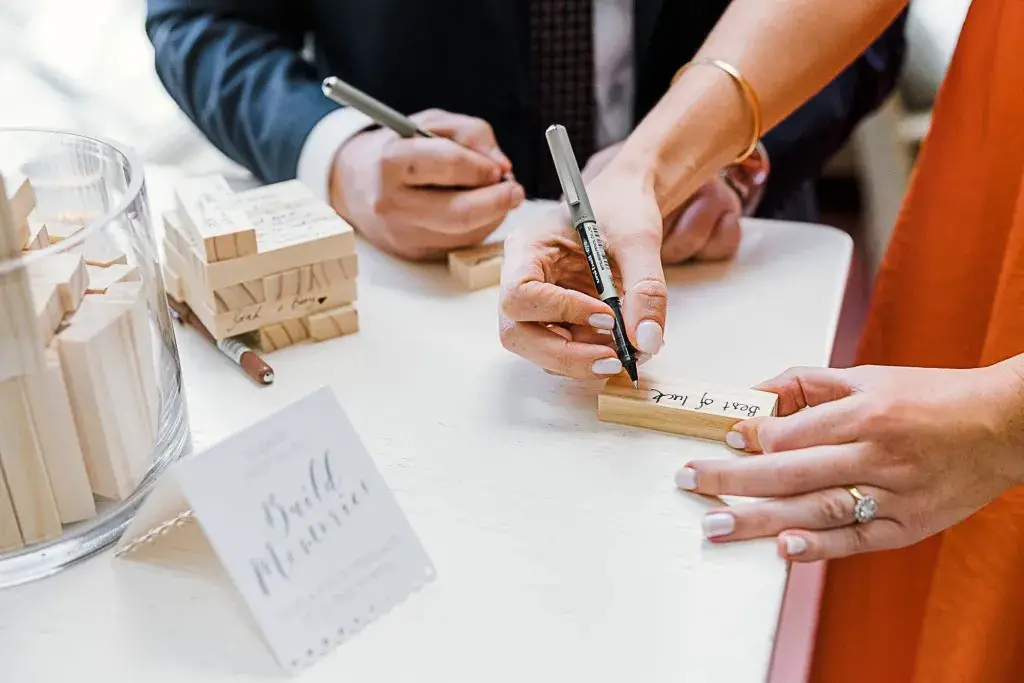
(68, 272)
(213, 216)
(333, 323)
(681, 406)
(307, 279)
(24, 468)
(281, 335)
(21, 349)
(39, 237)
(101, 278)
(58, 439)
(294, 252)
(478, 267)
(107, 399)
(133, 294)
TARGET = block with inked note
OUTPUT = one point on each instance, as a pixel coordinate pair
(477, 267)
(211, 213)
(296, 513)
(681, 406)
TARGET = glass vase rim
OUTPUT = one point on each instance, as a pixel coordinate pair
(135, 183)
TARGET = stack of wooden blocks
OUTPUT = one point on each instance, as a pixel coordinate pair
(79, 394)
(274, 263)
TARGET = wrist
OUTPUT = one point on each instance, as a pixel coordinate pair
(1006, 385)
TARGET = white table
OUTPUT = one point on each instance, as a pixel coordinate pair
(564, 551)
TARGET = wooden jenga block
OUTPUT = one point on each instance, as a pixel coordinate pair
(58, 440)
(292, 245)
(101, 278)
(214, 218)
(307, 279)
(68, 272)
(333, 323)
(683, 407)
(59, 231)
(23, 466)
(48, 309)
(478, 267)
(281, 335)
(102, 251)
(10, 532)
(21, 349)
(172, 283)
(39, 238)
(22, 199)
(134, 294)
(107, 399)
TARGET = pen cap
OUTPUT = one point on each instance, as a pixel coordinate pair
(569, 174)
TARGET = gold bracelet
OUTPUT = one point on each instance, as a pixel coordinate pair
(745, 89)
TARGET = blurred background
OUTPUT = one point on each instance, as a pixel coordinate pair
(87, 66)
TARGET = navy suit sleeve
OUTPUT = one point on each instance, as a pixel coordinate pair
(235, 68)
(800, 146)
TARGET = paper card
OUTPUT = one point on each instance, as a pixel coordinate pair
(306, 527)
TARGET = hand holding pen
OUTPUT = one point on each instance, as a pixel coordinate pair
(557, 308)
(421, 185)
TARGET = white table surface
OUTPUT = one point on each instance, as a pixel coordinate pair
(564, 551)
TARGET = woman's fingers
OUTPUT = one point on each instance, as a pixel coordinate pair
(799, 388)
(812, 546)
(826, 424)
(785, 474)
(543, 302)
(825, 509)
(552, 351)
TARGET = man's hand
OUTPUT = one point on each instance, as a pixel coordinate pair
(421, 197)
(706, 228)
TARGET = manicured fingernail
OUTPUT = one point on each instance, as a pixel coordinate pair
(649, 336)
(686, 479)
(518, 195)
(718, 524)
(496, 175)
(795, 545)
(735, 440)
(601, 321)
(642, 358)
(607, 366)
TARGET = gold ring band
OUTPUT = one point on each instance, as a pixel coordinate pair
(745, 89)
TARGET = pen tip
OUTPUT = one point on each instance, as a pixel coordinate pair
(636, 384)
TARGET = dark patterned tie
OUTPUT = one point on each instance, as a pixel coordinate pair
(562, 76)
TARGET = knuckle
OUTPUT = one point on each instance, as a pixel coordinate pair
(513, 301)
(507, 333)
(651, 288)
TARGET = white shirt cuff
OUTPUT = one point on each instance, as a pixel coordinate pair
(323, 143)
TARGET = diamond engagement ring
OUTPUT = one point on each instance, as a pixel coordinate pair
(866, 507)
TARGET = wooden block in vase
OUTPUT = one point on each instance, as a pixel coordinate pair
(58, 439)
(10, 532)
(681, 406)
(48, 309)
(107, 397)
(213, 217)
(134, 295)
(477, 267)
(24, 468)
(58, 231)
(333, 323)
(39, 238)
(102, 278)
(21, 349)
(68, 272)
(22, 199)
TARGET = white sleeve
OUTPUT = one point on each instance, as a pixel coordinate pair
(323, 143)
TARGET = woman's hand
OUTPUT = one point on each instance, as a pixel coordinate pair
(705, 228)
(931, 446)
(550, 313)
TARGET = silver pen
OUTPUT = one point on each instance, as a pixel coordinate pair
(585, 223)
(341, 92)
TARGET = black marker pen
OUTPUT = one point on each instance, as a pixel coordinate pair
(585, 222)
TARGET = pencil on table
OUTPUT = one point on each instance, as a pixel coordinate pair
(232, 347)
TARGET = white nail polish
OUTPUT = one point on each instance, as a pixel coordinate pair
(735, 440)
(602, 321)
(649, 336)
(642, 358)
(718, 524)
(795, 545)
(686, 479)
(607, 366)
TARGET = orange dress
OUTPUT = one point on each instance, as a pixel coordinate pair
(950, 294)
